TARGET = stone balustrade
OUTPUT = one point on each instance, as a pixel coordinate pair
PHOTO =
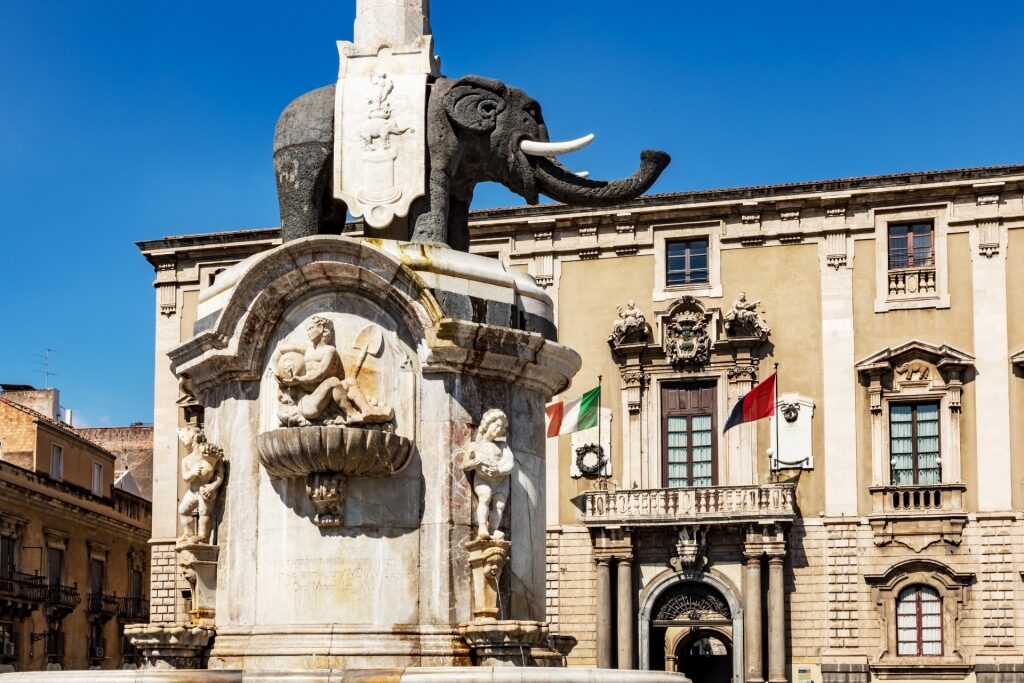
(701, 505)
(918, 499)
(911, 281)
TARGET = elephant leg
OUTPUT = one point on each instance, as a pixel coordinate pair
(303, 171)
(458, 223)
(432, 226)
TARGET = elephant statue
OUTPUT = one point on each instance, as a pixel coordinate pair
(477, 129)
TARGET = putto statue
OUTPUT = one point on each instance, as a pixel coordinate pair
(744, 314)
(313, 386)
(203, 471)
(631, 325)
(491, 461)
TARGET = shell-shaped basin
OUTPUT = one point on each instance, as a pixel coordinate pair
(349, 451)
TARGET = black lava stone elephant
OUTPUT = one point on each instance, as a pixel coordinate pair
(478, 129)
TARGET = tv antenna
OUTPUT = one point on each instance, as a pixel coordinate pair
(44, 362)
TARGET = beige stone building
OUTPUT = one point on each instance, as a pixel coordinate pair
(73, 545)
(872, 532)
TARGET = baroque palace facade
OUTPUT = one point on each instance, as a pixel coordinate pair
(873, 533)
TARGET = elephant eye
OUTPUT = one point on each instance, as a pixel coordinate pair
(534, 111)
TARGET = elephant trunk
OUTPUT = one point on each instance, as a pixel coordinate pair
(563, 185)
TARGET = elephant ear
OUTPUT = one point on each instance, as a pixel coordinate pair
(474, 103)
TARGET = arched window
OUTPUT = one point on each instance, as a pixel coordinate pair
(919, 622)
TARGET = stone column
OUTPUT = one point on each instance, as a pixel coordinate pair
(776, 619)
(604, 613)
(625, 617)
(752, 617)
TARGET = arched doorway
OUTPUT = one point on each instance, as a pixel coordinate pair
(704, 655)
(692, 622)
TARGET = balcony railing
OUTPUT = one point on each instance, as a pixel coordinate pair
(133, 610)
(913, 500)
(101, 605)
(703, 505)
(61, 599)
(21, 586)
(910, 282)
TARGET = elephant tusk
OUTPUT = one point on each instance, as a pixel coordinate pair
(582, 174)
(553, 149)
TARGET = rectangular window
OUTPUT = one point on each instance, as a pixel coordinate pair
(8, 561)
(914, 443)
(55, 566)
(97, 575)
(911, 245)
(686, 262)
(97, 479)
(56, 462)
(688, 435)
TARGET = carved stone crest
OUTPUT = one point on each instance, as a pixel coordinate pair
(686, 337)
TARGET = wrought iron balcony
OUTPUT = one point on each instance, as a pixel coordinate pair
(696, 505)
(133, 610)
(101, 606)
(15, 585)
(61, 600)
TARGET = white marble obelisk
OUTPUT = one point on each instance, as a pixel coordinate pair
(380, 108)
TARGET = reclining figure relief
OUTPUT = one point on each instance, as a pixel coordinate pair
(313, 387)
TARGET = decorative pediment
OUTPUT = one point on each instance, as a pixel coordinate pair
(915, 360)
(687, 332)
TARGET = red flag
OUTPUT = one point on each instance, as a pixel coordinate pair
(758, 403)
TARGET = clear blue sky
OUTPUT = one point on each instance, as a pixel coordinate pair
(129, 120)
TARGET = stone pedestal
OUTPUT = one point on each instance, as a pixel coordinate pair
(505, 643)
(176, 646)
(198, 562)
(487, 559)
(348, 545)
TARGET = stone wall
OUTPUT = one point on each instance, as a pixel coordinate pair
(45, 401)
(572, 601)
(133, 446)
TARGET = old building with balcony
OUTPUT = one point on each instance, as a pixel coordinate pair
(73, 546)
(870, 530)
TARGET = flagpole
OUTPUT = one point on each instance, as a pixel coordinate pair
(600, 390)
(775, 418)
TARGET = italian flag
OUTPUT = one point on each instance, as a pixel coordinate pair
(565, 418)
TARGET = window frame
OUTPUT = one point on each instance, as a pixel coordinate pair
(689, 413)
(919, 628)
(914, 454)
(883, 219)
(910, 249)
(97, 482)
(687, 256)
(665, 233)
(56, 462)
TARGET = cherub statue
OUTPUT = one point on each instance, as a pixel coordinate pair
(313, 383)
(491, 461)
(745, 313)
(631, 319)
(203, 471)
